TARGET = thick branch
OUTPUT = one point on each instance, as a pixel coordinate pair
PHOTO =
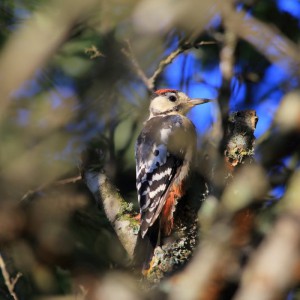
(265, 38)
(278, 257)
(239, 137)
(116, 209)
(227, 59)
(219, 241)
(275, 261)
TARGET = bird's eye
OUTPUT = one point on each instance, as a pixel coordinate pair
(172, 98)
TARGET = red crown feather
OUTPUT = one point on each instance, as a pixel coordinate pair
(163, 91)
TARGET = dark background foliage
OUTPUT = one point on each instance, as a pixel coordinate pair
(83, 92)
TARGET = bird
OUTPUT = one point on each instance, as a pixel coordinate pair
(164, 153)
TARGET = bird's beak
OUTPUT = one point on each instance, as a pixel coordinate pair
(197, 101)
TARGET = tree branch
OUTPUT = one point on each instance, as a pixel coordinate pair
(265, 38)
(239, 137)
(277, 258)
(166, 61)
(227, 53)
(150, 82)
(31, 193)
(117, 210)
(140, 73)
(220, 239)
(10, 283)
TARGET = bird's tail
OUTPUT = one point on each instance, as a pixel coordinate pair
(144, 249)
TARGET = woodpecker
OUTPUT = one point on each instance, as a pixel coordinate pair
(164, 154)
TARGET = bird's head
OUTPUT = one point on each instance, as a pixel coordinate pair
(169, 101)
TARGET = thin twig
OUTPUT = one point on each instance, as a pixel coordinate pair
(205, 43)
(10, 284)
(15, 280)
(150, 82)
(129, 53)
(68, 180)
(169, 59)
(42, 187)
(93, 52)
(163, 64)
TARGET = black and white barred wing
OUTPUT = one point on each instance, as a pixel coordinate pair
(156, 169)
